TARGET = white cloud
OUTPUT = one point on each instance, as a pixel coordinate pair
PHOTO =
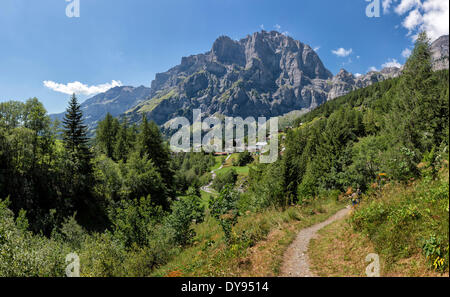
(406, 53)
(435, 18)
(372, 68)
(317, 48)
(358, 75)
(342, 52)
(79, 88)
(407, 5)
(262, 26)
(422, 15)
(413, 20)
(277, 27)
(392, 63)
(286, 33)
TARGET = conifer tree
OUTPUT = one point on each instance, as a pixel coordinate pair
(75, 133)
(417, 101)
(80, 177)
(123, 142)
(107, 134)
(151, 143)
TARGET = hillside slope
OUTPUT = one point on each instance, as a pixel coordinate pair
(114, 101)
(406, 225)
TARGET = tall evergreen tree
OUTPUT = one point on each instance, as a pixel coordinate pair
(107, 134)
(123, 142)
(151, 144)
(417, 102)
(75, 132)
(80, 176)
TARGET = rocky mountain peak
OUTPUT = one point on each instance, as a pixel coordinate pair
(439, 53)
(227, 51)
(264, 74)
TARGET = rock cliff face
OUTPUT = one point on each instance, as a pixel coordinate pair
(264, 74)
(439, 53)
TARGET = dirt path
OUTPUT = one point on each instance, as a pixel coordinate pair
(296, 261)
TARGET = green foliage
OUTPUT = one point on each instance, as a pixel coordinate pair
(224, 208)
(140, 177)
(150, 144)
(134, 220)
(192, 169)
(409, 219)
(24, 254)
(107, 134)
(243, 159)
(184, 212)
(227, 178)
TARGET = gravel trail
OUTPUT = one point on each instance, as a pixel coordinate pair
(296, 261)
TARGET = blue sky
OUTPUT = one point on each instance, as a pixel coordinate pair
(129, 41)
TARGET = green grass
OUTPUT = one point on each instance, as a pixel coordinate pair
(239, 170)
(243, 171)
(395, 223)
(152, 104)
(210, 256)
(218, 163)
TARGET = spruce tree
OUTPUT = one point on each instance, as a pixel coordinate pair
(107, 134)
(151, 144)
(417, 101)
(123, 143)
(80, 179)
(75, 133)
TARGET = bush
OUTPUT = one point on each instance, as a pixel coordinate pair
(228, 178)
(23, 254)
(243, 159)
(184, 212)
(134, 220)
(224, 208)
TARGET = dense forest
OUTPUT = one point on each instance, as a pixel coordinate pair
(127, 205)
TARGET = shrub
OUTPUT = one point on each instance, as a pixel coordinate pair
(184, 213)
(228, 178)
(224, 208)
(133, 220)
(243, 159)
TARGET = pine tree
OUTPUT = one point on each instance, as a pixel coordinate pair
(123, 142)
(152, 145)
(417, 101)
(80, 179)
(107, 134)
(75, 133)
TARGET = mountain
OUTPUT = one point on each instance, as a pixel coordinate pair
(265, 74)
(116, 101)
(439, 52)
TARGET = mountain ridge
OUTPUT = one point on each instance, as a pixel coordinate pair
(264, 74)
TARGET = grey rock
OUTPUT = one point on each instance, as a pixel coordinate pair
(439, 53)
